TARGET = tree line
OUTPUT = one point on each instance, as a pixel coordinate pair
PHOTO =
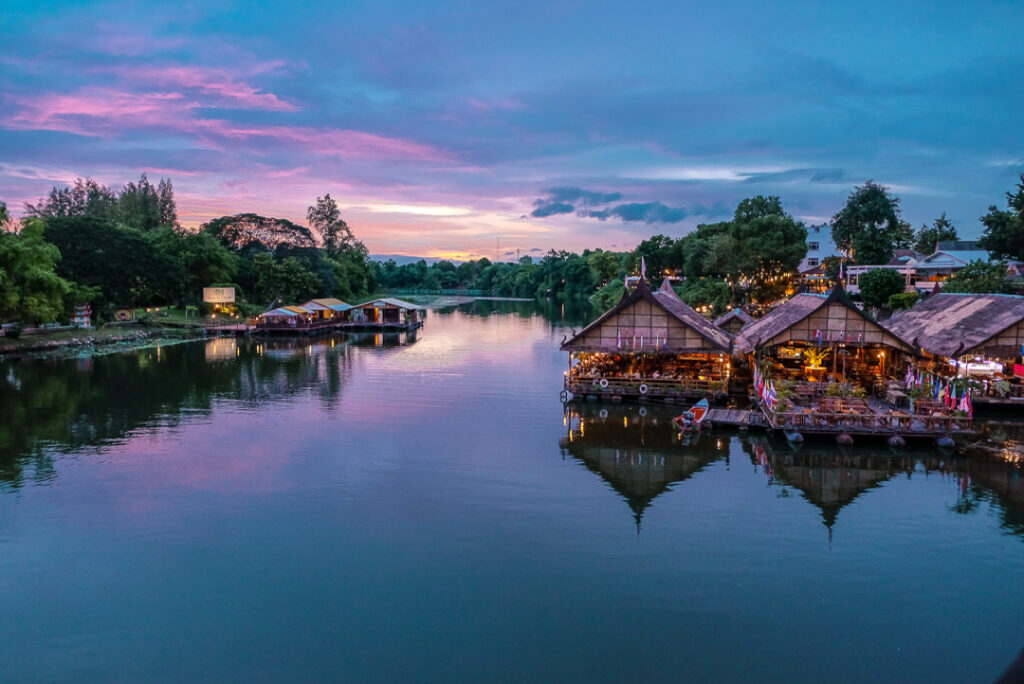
(112, 248)
(124, 247)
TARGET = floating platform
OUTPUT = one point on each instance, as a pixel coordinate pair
(736, 418)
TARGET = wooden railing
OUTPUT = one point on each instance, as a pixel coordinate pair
(868, 421)
(588, 384)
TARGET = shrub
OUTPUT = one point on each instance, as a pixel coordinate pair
(903, 300)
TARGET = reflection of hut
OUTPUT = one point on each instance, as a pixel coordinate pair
(390, 312)
(979, 334)
(649, 344)
(637, 455)
(812, 336)
(327, 309)
(734, 321)
(829, 479)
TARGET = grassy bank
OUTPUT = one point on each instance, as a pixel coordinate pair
(128, 334)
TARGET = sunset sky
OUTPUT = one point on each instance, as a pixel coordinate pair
(443, 126)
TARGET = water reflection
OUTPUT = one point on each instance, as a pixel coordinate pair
(635, 450)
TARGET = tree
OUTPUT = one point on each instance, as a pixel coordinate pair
(30, 289)
(1004, 230)
(868, 227)
(325, 218)
(140, 205)
(85, 198)
(658, 254)
(167, 208)
(127, 267)
(5, 218)
(941, 230)
(878, 284)
(981, 278)
(767, 243)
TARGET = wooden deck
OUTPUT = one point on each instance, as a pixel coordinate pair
(642, 388)
(320, 328)
(869, 417)
(736, 418)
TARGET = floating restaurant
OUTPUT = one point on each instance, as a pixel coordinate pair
(389, 313)
(821, 365)
(323, 315)
(649, 345)
(328, 309)
(975, 336)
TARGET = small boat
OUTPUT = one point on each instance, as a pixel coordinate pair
(792, 434)
(691, 420)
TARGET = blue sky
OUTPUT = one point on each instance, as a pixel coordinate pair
(442, 126)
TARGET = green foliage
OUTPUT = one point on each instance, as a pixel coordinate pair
(1004, 229)
(252, 231)
(879, 284)
(138, 205)
(869, 226)
(128, 266)
(30, 290)
(709, 292)
(904, 300)
(940, 231)
(980, 277)
(325, 218)
(608, 296)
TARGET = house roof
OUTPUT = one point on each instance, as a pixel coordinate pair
(388, 301)
(953, 257)
(736, 313)
(286, 311)
(666, 299)
(328, 303)
(943, 322)
(791, 312)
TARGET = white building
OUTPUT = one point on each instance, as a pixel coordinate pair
(819, 247)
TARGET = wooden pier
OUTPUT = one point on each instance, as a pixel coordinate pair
(742, 418)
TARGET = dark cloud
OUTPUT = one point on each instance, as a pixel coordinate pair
(509, 253)
(564, 200)
(655, 212)
(588, 198)
(536, 249)
(551, 208)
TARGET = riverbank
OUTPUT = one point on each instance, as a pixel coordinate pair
(84, 339)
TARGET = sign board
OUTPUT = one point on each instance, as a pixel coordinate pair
(218, 295)
(380, 304)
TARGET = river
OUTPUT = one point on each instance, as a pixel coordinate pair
(377, 508)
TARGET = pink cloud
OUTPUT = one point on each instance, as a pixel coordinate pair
(222, 86)
(105, 112)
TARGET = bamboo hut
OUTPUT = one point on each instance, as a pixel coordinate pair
(979, 335)
(389, 312)
(734, 321)
(327, 309)
(284, 318)
(813, 337)
(650, 344)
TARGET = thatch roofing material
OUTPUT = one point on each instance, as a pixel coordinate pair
(666, 300)
(737, 314)
(944, 321)
(804, 305)
(390, 302)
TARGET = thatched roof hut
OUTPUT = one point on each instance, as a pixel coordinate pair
(814, 318)
(953, 324)
(646, 321)
(734, 321)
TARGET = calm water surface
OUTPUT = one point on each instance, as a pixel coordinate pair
(375, 509)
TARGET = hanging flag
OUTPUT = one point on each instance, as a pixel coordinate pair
(970, 407)
(773, 397)
(619, 344)
(643, 267)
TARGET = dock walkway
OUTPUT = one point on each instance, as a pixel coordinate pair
(736, 418)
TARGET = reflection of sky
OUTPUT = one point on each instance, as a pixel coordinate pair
(441, 126)
(430, 507)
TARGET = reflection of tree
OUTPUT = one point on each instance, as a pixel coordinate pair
(74, 404)
(639, 456)
(1001, 483)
